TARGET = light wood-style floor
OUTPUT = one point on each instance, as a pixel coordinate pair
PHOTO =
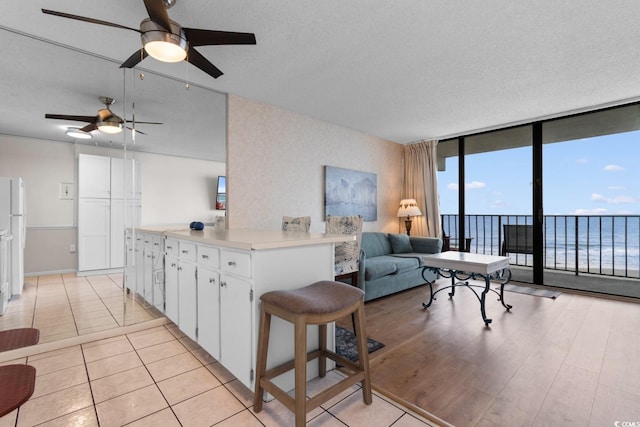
(572, 361)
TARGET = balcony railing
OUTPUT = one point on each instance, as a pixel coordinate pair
(592, 244)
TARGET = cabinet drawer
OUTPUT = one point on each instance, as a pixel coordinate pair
(171, 247)
(208, 256)
(147, 241)
(157, 243)
(187, 251)
(236, 262)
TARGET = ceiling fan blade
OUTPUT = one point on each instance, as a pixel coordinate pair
(158, 13)
(90, 127)
(136, 130)
(194, 57)
(89, 119)
(197, 37)
(90, 20)
(135, 59)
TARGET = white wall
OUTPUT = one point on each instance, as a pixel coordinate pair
(276, 162)
(175, 190)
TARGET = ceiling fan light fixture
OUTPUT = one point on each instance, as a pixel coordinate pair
(111, 125)
(163, 45)
(77, 133)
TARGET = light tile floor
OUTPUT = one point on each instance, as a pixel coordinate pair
(154, 377)
(159, 377)
(65, 305)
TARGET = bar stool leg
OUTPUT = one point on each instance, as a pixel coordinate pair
(300, 366)
(261, 365)
(363, 354)
(322, 345)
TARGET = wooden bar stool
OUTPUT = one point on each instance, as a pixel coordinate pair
(317, 304)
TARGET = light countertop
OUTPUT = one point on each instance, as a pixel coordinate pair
(249, 239)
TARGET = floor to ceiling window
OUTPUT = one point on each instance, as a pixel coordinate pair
(571, 186)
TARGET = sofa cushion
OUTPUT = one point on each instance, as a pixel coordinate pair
(404, 264)
(413, 255)
(379, 267)
(375, 244)
(400, 243)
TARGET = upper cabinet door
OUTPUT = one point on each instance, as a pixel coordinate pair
(124, 179)
(94, 176)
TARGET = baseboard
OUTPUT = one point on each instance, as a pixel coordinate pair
(49, 273)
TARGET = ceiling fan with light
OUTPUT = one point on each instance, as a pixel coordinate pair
(106, 121)
(167, 40)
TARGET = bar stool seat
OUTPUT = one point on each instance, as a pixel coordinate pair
(319, 304)
(16, 386)
(12, 339)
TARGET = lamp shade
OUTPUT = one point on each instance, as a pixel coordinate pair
(409, 207)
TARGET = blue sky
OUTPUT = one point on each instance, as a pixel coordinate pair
(594, 176)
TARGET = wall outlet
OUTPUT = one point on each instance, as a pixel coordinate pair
(66, 191)
(72, 248)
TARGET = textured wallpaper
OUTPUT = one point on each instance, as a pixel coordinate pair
(276, 162)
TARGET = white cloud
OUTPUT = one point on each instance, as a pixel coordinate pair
(612, 200)
(613, 168)
(615, 187)
(582, 160)
(474, 185)
(597, 211)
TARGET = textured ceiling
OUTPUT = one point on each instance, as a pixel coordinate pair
(403, 71)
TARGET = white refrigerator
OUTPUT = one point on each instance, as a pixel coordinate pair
(13, 219)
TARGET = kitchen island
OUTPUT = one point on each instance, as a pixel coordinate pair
(213, 280)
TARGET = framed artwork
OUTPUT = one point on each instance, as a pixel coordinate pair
(350, 192)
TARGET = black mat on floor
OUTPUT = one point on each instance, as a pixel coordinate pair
(346, 344)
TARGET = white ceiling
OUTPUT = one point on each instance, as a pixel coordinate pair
(401, 70)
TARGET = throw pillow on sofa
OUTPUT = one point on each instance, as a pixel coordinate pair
(400, 243)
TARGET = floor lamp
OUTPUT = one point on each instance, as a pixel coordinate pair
(408, 208)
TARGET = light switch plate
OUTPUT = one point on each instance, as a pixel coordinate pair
(66, 191)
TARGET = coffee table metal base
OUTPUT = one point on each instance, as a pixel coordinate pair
(460, 278)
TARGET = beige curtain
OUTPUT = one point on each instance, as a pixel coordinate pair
(421, 183)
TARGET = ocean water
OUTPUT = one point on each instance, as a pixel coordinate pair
(603, 244)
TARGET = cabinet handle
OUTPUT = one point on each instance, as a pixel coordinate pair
(179, 268)
(232, 263)
(212, 280)
(205, 256)
(185, 252)
(169, 247)
(173, 264)
(156, 244)
(223, 284)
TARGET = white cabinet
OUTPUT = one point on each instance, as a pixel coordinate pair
(171, 282)
(236, 320)
(157, 271)
(187, 290)
(109, 184)
(208, 310)
(94, 177)
(94, 235)
(231, 276)
(180, 286)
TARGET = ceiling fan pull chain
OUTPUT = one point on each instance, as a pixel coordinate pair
(187, 85)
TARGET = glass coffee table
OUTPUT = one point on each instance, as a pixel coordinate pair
(461, 267)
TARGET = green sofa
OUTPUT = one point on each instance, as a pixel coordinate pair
(390, 263)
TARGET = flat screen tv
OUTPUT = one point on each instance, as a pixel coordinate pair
(221, 194)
